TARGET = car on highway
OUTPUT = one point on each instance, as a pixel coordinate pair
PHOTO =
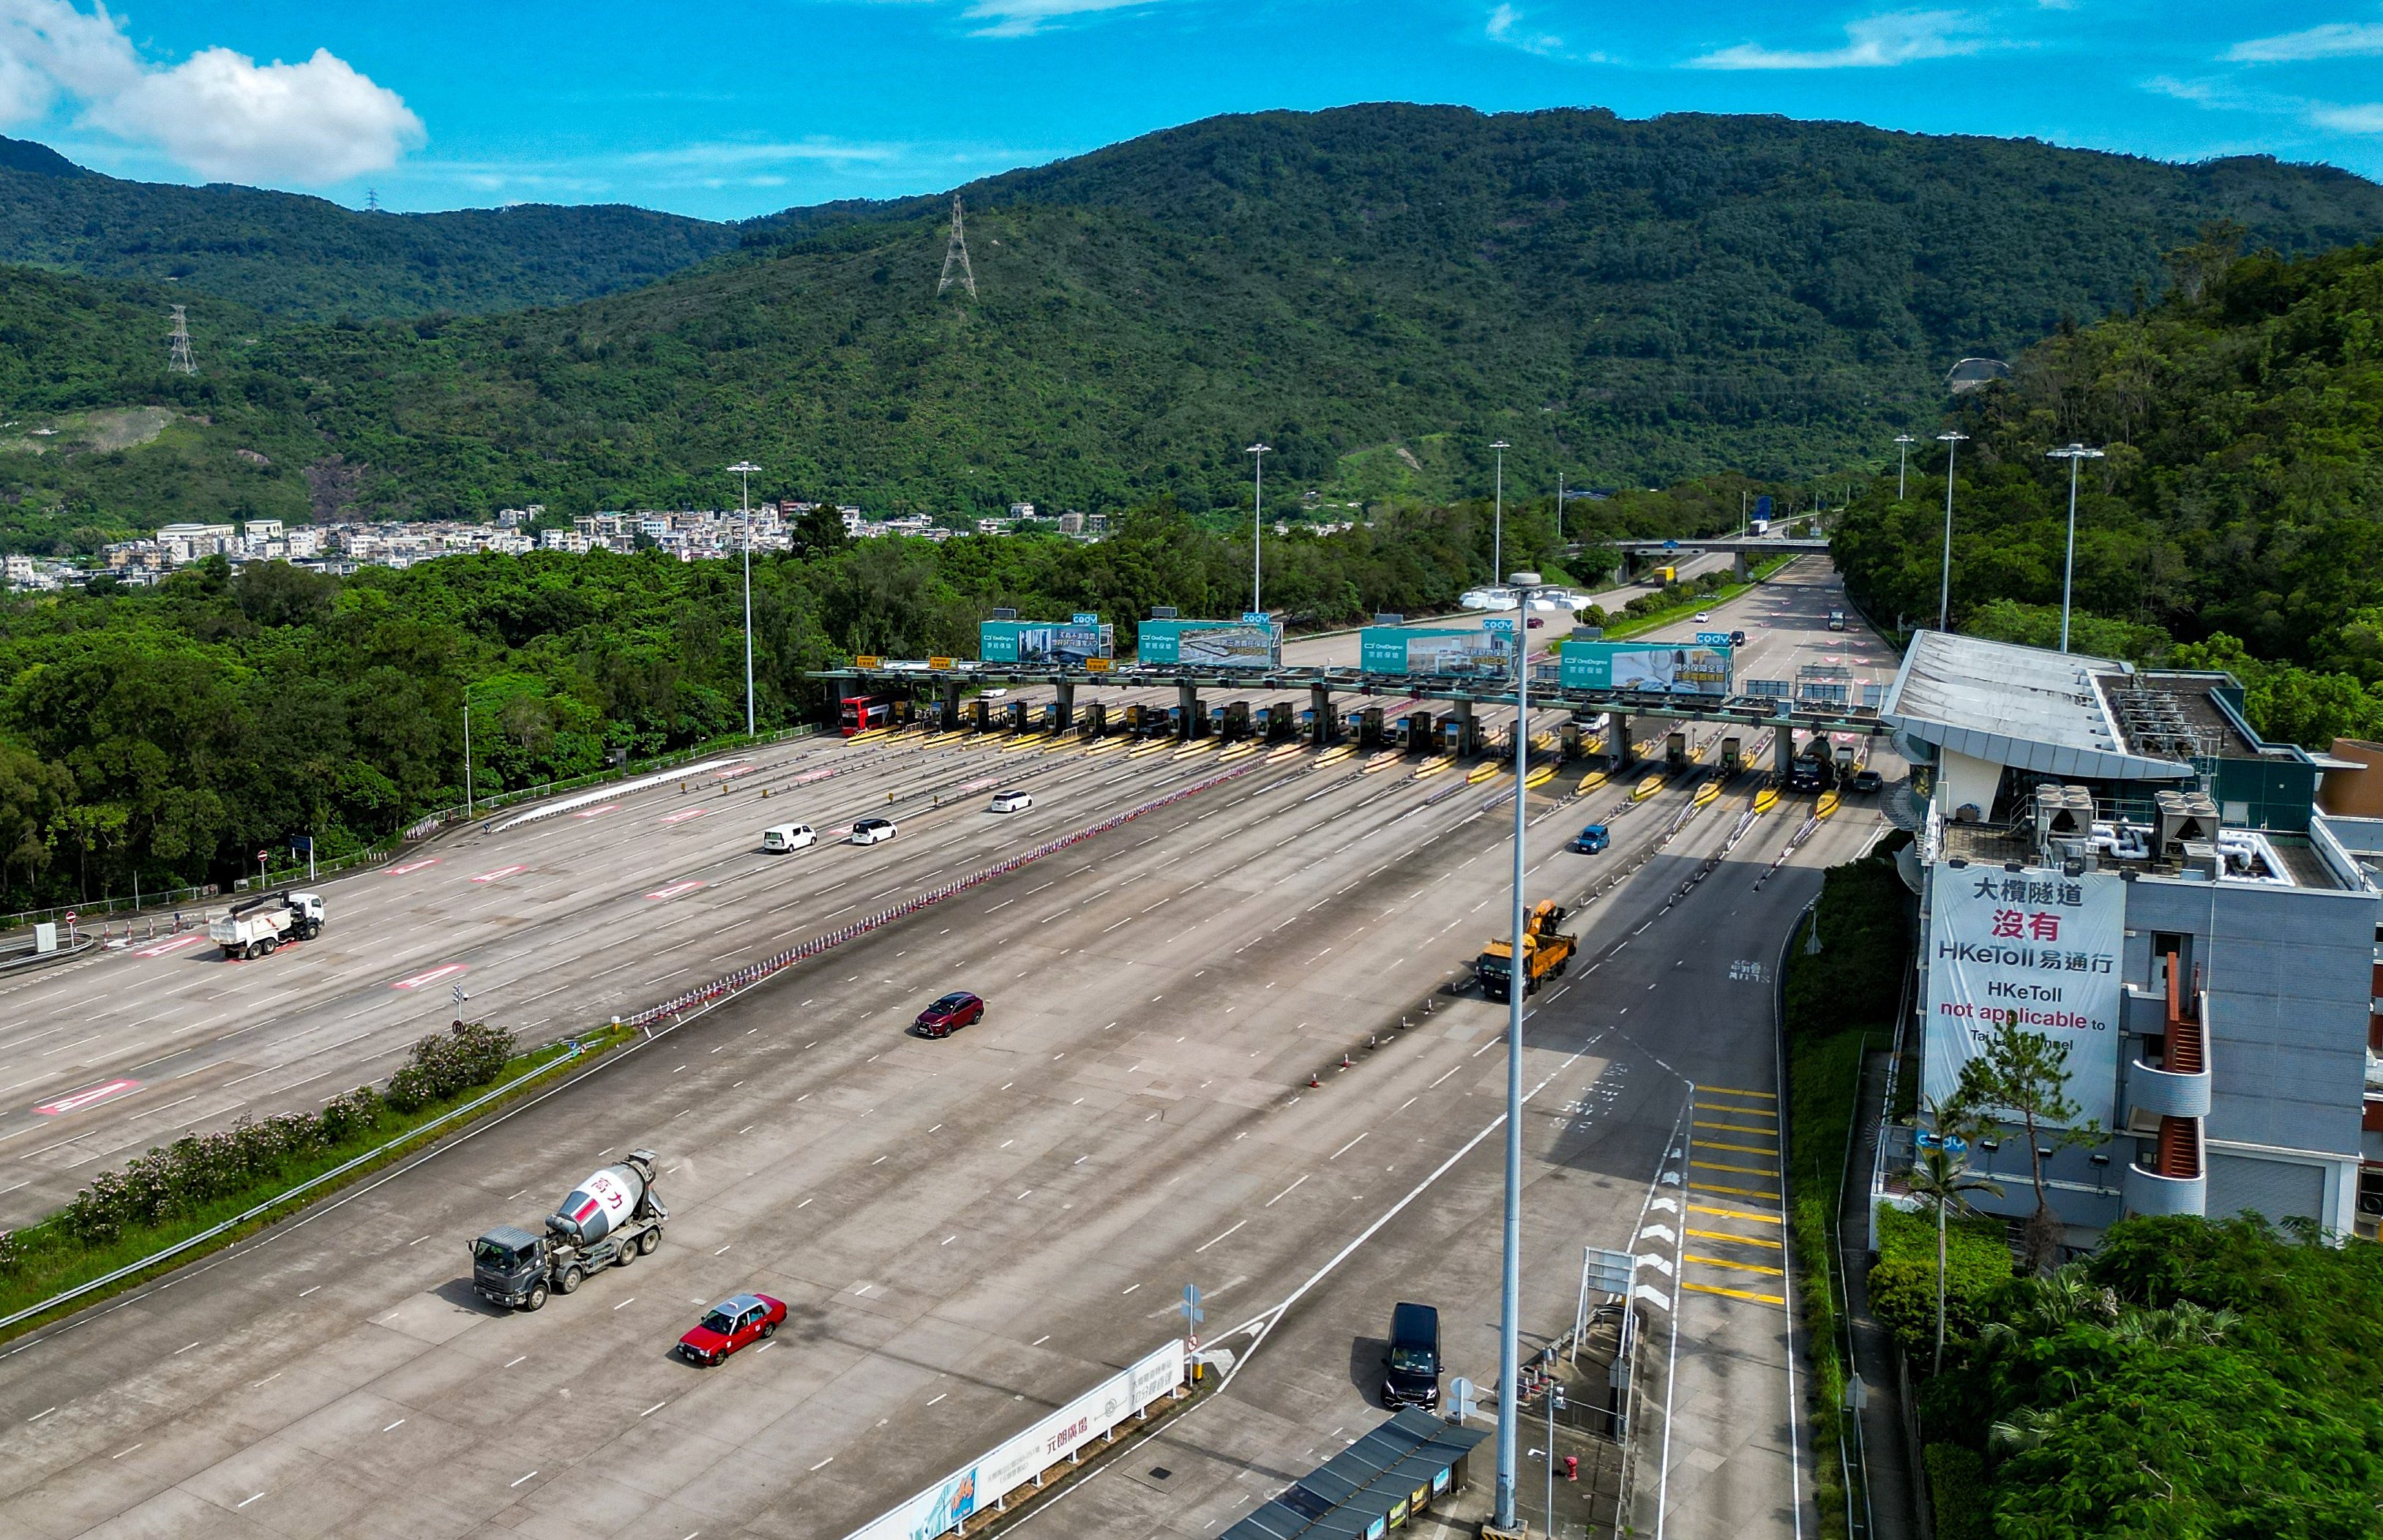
(737, 1321)
(948, 1015)
(1868, 781)
(1536, 623)
(1010, 802)
(1805, 775)
(782, 838)
(1410, 1369)
(1738, 639)
(872, 831)
(1703, 616)
(1591, 839)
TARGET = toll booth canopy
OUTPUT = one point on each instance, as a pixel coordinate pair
(1374, 1486)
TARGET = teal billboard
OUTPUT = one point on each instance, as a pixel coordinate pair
(1243, 644)
(1663, 667)
(1058, 643)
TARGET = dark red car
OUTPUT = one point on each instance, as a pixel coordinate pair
(732, 1324)
(948, 1015)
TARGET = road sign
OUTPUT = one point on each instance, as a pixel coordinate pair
(1461, 1394)
(460, 998)
(1609, 1272)
(1671, 545)
(71, 916)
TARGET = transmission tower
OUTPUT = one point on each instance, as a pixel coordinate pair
(955, 261)
(180, 361)
(372, 200)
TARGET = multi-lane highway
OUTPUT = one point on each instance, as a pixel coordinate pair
(969, 1230)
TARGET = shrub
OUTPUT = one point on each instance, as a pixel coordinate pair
(1957, 1486)
(190, 1173)
(467, 1055)
(1903, 1281)
(351, 1113)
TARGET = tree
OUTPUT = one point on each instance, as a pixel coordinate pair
(2023, 1076)
(1940, 1178)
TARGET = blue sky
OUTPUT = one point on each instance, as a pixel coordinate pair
(743, 106)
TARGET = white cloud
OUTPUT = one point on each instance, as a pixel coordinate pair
(725, 153)
(1874, 42)
(2362, 118)
(218, 113)
(1024, 18)
(1506, 26)
(2335, 39)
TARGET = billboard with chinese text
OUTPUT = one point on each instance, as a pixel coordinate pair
(1415, 649)
(1210, 644)
(1669, 667)
(1060, 642)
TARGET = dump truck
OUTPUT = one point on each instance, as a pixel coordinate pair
(1547, 952)
(610, 1220)
(257, 927)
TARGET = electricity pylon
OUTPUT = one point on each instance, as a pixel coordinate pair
(956, 258)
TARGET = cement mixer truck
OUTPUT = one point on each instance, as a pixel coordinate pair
(610, 1220)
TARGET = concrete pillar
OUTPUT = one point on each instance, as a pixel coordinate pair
(1187, 695)
(1782, 745)
(1618, 751)
(1744, 568)
(1319, 700)
(951, 712)
(1461, 711)
(1066, 692)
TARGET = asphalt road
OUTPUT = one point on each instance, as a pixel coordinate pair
(973, 1230)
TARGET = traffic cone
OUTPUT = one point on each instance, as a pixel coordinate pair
(1315, 1081)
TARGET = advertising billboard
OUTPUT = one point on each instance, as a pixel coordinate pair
(1669, 668)
(1060, 642)
(2034, 947)
(1242, 644)
(1405, 649)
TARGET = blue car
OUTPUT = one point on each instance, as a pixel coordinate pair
(1591, 839)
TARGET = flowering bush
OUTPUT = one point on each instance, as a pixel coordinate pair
(467, 1055)
(192, 1171)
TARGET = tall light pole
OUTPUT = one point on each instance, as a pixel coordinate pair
(1559, 507)
(745, 469)
(1258, 524)
(1509, 1289)
(1497, 520)
(1952, 442)
(2073, 454)
(1903, 442)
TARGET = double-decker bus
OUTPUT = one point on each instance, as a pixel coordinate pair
(861, 713)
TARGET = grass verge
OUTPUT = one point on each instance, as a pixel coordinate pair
(48, 1261)
(1673, 614)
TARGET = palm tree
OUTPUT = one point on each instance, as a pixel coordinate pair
(1940, 1178)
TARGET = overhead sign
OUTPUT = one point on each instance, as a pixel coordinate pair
(1667, 668)
(1405, 649)
(1243, 644)
(2036, 948)
(1712, 639)
(1044, 642)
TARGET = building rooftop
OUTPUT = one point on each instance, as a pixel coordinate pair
(2020, 707)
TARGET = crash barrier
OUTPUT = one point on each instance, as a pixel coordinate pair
(985, 1484)
(430, 823)
(22, 954)
(625, 788)
(745, 977)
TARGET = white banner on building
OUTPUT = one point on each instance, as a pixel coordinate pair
(1003, 1470)
(2034, 947)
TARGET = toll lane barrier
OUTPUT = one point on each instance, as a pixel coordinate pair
(745, 977)
(986, 1484)
(621, 788)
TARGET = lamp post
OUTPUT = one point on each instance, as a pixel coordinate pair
(1497, 520)
(1952, 441)
(1903, 442)
(2073, 454)
(1258, 524)
(745, 469)
(1509, 1293)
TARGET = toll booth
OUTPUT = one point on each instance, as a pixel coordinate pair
(1093, 721)
(1230, 721)
(980, 715)
(1366, 727)
(1178, 725)
(1845, 764)
(1675, 753)
(1013, 714)
(1456, 736)
(1050, 723)
(1268, 724)
(1572, 740)
(1732, 756)
(1414, 732)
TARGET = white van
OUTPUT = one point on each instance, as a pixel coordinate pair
(786, 837)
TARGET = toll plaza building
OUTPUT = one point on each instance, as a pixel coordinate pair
(2113, 857)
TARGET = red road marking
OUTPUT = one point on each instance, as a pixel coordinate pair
(412, 866)
(690, 813)
(428, 976)
(675, 890)
(500, 872)
(733, 771)
(592, 812)
(175, 944)
(89, 1096)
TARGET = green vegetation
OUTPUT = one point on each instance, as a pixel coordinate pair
(1836, 1000)
(2231, 527)
(2189, 1378)
(1381, 290)
(1903, 1280)
(287, 255)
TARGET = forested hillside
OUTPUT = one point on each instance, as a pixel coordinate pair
(2240, 512)
(289, 255)
(1379, 291)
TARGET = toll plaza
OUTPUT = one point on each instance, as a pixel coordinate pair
(1423, 714)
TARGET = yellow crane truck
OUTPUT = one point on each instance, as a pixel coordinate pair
(1547, 952)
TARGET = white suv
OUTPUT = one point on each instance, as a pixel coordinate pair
(872, 831)
(787, 837)
(1011, 802)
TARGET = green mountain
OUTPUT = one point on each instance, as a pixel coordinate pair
(1379, 291)
(289, 256)
(2234, 519)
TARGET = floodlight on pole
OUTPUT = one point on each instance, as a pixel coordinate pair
(2073, 454)
(745, 469)
(1497, 518)
(1509, 1293)
(1952, 441)
(1257, 525)
(1903, 442)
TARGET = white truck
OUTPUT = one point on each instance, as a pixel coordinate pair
(257, 926)
(610, 1220)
